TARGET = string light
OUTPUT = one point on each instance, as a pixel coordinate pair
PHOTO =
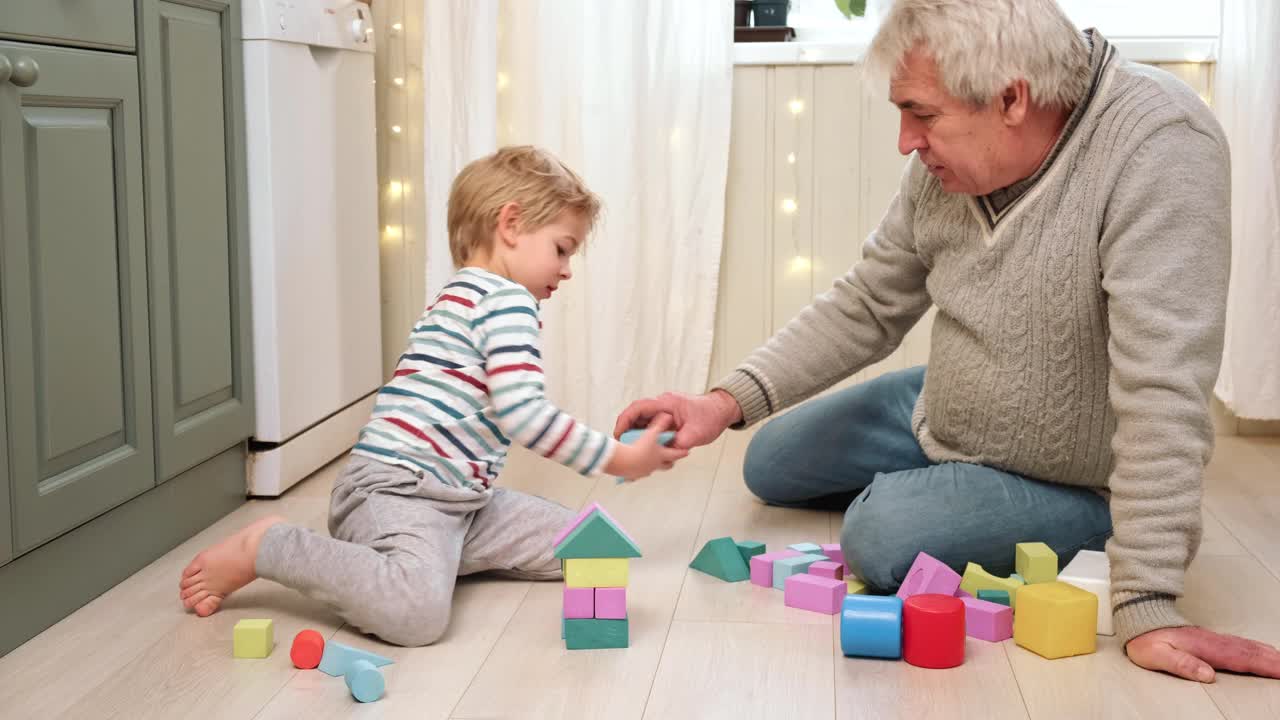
(397, 27)
(791, 158)
(796, 105)
(392, 232)
(503, 80)
(800, 264)
(395, 129)
(398, 81)
(789, 206)
(395, 188)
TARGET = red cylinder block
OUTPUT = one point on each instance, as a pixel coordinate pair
(933, 631)
(308, 648)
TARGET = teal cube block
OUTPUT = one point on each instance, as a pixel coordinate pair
(784, 568)
(996, 596)
(749, 549)
(596, 634)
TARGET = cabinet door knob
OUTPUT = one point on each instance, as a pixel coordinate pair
(25, 72)
(6, 69)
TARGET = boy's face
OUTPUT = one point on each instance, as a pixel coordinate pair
(539, 259)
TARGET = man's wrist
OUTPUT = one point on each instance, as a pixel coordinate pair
(729, 409)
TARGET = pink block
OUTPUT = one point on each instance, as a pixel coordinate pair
(762, 566)
(579, 603)
(833, 570)
(962, 594)
(986, 620)
(611, 603)
(814, 592)
(583, 516)
(929, 576)
(833, 551)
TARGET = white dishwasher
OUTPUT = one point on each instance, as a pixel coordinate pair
(313, 232)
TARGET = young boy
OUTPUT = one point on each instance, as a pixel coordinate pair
(415, 505)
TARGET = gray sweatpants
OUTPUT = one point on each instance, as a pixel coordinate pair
(400, 541)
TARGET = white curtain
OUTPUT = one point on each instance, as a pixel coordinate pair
(460, 71)
(1247, 100)
(636, 97)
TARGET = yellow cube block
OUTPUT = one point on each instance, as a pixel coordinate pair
(855, 586)
(1036, 563)
(595, 572)
(1056, 620)
(253, 639)
(975, 579)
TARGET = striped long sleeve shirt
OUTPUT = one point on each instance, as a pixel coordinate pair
(470, 384)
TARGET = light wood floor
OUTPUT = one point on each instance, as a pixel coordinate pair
(700, 648)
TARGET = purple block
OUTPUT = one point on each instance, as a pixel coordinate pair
(828, 569)
(762, 566)
(814, 592)
(962, 594)
(929, 576)
(835, 554)
(611, 603)
(579, 603)
(986, 620)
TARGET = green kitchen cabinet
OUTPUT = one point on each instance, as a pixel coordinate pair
(74, 282)
(193, 136)
(6, 529)
(124, 292)
(106, 24)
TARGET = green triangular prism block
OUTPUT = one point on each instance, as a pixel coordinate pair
(721, 558)
(597, 537)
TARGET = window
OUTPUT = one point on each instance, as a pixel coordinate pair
(1150, 30)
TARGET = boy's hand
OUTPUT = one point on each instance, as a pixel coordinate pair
(646, 455)
(699, 419)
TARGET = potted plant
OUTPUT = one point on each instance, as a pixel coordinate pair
(771, 13)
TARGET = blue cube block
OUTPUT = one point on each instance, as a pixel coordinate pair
(871, 626)
(784, 568)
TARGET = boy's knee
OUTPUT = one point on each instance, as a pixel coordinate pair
(411, 630)
(410, 620)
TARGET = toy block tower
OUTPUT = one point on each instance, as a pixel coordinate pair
(595, 551)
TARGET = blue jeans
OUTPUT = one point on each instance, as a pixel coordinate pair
(854, 451)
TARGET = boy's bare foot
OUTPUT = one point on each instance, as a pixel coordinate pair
(218, 571)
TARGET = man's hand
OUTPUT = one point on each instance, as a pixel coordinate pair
(646, 455)
(1193, 653)
(699, 419)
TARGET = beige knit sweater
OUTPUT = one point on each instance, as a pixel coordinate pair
(1079, 325)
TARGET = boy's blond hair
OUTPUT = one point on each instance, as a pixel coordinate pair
(532, 178)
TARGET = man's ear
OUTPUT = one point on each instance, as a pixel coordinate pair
(1015, 102)
(509, 223)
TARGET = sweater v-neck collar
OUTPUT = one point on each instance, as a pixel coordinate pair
(995, 206)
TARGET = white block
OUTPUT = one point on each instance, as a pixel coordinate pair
(1090, 570)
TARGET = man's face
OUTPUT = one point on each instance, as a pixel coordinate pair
(960, 144)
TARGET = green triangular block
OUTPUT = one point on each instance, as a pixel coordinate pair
(597, 537)
(721, 558)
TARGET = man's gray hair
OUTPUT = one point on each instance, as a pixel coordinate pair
(983, 46)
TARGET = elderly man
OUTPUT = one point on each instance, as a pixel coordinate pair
(1067, 212)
